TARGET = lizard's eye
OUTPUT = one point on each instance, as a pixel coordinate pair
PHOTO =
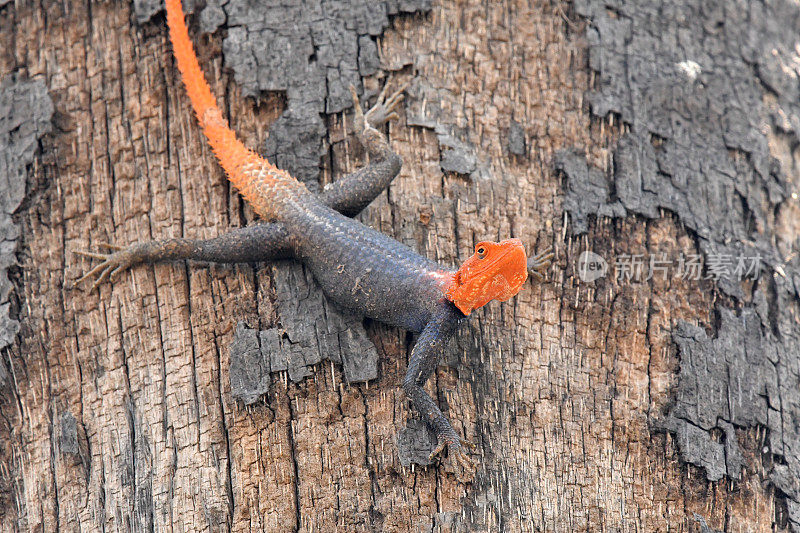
(481, 252)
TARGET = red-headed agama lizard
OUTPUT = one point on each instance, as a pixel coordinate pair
(356, 266)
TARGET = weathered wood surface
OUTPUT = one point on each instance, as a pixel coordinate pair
(117, 411)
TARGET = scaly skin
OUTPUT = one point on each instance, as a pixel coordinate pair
(356, 266)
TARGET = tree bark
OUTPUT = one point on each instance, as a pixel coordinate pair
(119, 408)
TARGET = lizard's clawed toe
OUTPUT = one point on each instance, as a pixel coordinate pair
(462, 458)
(91, 255)
(438, 450)
(397, 97)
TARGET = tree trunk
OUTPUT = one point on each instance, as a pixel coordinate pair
(617, 404)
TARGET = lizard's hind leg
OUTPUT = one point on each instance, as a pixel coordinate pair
(352, 193)
(257, 242)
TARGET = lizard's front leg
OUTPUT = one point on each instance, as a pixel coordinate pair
(538, 264)
(424, 358)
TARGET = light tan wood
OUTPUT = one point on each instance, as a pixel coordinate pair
(554, 386)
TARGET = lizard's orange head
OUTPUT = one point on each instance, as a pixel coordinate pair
(497, 271)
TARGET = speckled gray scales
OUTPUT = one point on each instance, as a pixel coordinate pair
(357, 267)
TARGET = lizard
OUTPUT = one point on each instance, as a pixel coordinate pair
(357, 267)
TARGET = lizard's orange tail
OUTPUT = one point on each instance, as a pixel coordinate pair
(262, 184)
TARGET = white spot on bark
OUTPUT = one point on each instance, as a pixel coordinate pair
(690, 68)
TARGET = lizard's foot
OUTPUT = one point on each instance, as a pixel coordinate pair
(538, 264)
(382, 112)
(112, 263)
(385, 108)
(456, 450)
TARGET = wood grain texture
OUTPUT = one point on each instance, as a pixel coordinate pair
(118, 413)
